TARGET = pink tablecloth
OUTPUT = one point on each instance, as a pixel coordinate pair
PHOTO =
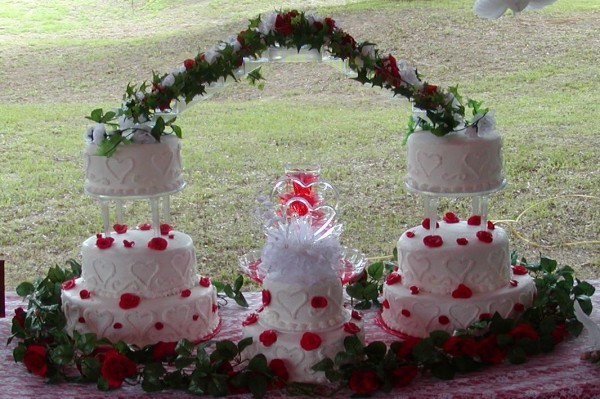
(560, 374)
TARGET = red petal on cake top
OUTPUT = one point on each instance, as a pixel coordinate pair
(128, 244)
(393, 278)
(356, 315)
(462, 241)
(433, 241)
(158, 243)
(120, 228)
(310, 341)
(351, 328)
(67, 285)
(519, 270)
(410, 234)
(251, 319)
(84, 294)
(462, 292)
(426, 223)
(104, 242)
(165, 229)
(266, 297)
(474, 220)
(145, 226)
(491, 225)
(405, 312)
(443, 320)
(450, 217)
(268, 337)
(318, 302)
(204, 282)
(129, 301)
(485, 236)
(414, 290)
(186, 293)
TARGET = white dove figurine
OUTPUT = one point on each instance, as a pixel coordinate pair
(493, 9)
(593, 333)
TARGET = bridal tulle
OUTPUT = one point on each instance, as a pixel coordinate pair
(493, 9)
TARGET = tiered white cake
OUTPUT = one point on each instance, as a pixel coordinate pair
(453, 272)
(139, 285)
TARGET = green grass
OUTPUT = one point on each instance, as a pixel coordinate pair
(542, 85)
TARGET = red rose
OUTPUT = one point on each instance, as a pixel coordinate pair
(513, 283)
(519, 270)
(157, 243)
(388, 69)
(129, 301)
(403, 375)
(474, 220)
(524, 330)
(426, 223)
(67, 285)
(35, 359)
(128, 244)
(429, 89)
(414, 290)
(266, 297)
(559, 333)
(485, 236)
(268, 337)
(280, 372)
(120, 228)
(19, 317)
(410, 234)
(356, 315)
(393, 278)
(204, 281)
(163, 350)
(283, 25)
(490, 225)
(450, 217)
(145, 226)
(186, 293)
(433, 241)
(117, 326)
(251, 319)
(84, 294)
(318, 302)
(116, 367)
(443, 320)
(462, 292)
(363, 382)
(165, 229)
(405, 348)
(489, 351)
(158, 325)
(310, 341)
(189, 63)
(351, 328)
(460, 346)
(104, 242)
(330, 23)
(462, 241)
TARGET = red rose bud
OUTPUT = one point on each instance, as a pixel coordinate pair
(403, 375)
(474, 220)
(165, 229)
(443, 320)
(351, 328)
(414, 290)
(204, 282)
(67, 285)
(490, 225)
(84, 294)
(104, 242)
(195, 317)
(460, 346)
(310, 341)
(158, 244)
(266, 297)
(120, 228)
(214, 308)
(405, 312)
(519, 270)
(462, 241)
(129, 301)
(393, 278)
(158, 325)
(462, 292)
(268, 337)
(318, 302)
(485, 236)
(145, 226)
(186, 293)
(278, 368)
(356, 315)
(81, 319)
(433, 241)
(524, 330)
(426, 223)
(189, 63)
(117, 326)
(410, 234)
(251, 319)
(485, 316)
(35, 359)
(513, 283)
(19, 317)
(450, 217)
(128, 244)
(163, 350)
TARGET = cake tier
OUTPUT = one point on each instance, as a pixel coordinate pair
(301, 307)
(135, 170)
(139, 270)
(455, 163)
(418, 315)
(193, 317)
(292, 346)
(480, 265)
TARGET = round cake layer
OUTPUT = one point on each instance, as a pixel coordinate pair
(288, 346)
(454, 163)
(301, 307)
(139, 270)
(193, 317)
(135, 169)
(418, 315)
(480, 265)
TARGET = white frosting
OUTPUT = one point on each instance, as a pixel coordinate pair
(455, 163)
(139, 270)
(134, 169)
(481, 266)
(167, 319)
(418, 315)
(287, 347)
(291, 305)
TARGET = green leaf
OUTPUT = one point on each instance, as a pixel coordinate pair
(109, 116)
(258, 363)
(19, 352)
(183, 361)
(324, 365)
(516, 355)
(241, 300)
(375, 270)
(229, 291)
(376, 351)
(25, 289)
(239, 282)
(62, 354)
(439, 337)
(258, 386)
(177, 131)
(548, 265)
(353, 345)
(158, 128)
(96, 115)
(218, 285)
(443, 370)
(244, 343)
(355, 290)
(90, 368)
(226, 350)
(371, 292)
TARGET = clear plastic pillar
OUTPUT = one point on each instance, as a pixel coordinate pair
(105, 217)
(155, 216)
(431, 210)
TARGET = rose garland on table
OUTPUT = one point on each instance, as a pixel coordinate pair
(216, 367)
(139, 118)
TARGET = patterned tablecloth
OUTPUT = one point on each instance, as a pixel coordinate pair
(560, 374)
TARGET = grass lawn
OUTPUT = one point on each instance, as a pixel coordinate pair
(539, 71)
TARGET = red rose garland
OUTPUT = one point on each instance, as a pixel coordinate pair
(116, 367)
(364, 382)
(35, 359)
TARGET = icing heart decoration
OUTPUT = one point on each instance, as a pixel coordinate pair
(180, 263)
(292, 302)
(460, 268)
(428, 162)
(295, 356)
(476, 162)
(464, 315)
(103, 272)
(162, 161)
(144, 273)
(119, 168)
(98, 321)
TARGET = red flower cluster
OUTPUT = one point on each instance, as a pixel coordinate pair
(426, 223)
(280, 371)
(165, 229)
(67, 285)
(19, 317)
(128, 244)
(389, 71)
(163, 350)
(116, 367)
(129, 301)
(204, 282)
(84, 294)
(460, 346)
(410, 234)
(403, 375)
(283, 23)
(462, 241)
(310, 341)
(519, 270)
(485, 236)
(145, 226)
(474, 220)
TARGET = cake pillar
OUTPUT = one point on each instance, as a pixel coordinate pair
(105, 217)
(480, 207)
(431, 208)
(155, 216)
(166, 205)
(119, 211)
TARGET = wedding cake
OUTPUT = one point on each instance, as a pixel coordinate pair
(452, 272)
(139, 285)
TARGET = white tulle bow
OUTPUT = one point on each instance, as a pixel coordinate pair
(593, 333)
(494, 9)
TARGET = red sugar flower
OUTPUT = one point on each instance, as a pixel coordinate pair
(519, 307)
(519, 270)
(158, 325)
(310, 341)
(35, 359)
(513, 283)
(117, 326)
(474, 220)
(204, 281)
(490, 225)
(145, 226)
(129, 301)
(268, 337)
(433, 241)
(410, 234)
(405, 312)
(414, 290)
(450, 217)
(443, 320)
(318, 302)
(104, 242)
(81, 319)
(251, 319)
(462, 292)
(195, 317)
(171, 236)
(165, 229)
(120, 228)
(356, 315)
(214, 307)
(186, 293)
(67, 285)
(157, 243)
(385, 304)
(189, 63)
(84, 294)
(128, 244)
(485, 236)
(266, 297)
(393, 278)
(351, 328)
(462, 241)
(426, 223)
